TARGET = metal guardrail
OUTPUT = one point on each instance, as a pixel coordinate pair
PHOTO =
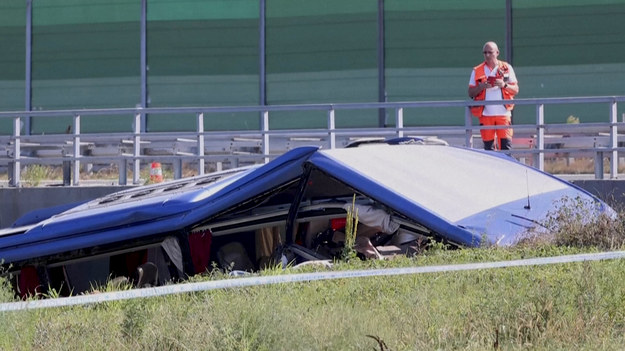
(531, 140)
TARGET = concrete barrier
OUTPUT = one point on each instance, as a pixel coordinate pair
(16, 202)
(612, 191)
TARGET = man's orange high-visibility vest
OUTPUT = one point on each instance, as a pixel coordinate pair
(480, 76)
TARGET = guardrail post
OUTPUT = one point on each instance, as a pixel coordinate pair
(14, 166)
(613, 141)
(599, 164)
(399, 121)
(468, 127)
(264, 126)
(67, 173)
(539, 158)
(331, 128)
(177, 163)
(200, 143)
(76, 163)
(123, 170)
(136, 161)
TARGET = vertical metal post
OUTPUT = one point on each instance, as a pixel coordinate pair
(136, 167)
(381, 65)
(264, 126)
(613, 141)
(331, 128)
(123, 170)
(539, 158)
(177, 168)
(144, 63)
(15, 171)
(468, 127)
(399, 121)
(509, 53)
(200, 142)
(262, 77)
(67, 173)
(76, 163)
(598, 164)
(29, 64)
(262, 74)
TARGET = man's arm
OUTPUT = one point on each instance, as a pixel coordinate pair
(511, 88)
(474, 90)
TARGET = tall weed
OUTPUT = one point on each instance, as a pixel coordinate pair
(351, 223)
(578, 223)
(35, 174)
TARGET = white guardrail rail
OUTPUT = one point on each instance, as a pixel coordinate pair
(531, 144)
(293, 278)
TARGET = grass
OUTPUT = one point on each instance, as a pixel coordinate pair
(578, 306)
(580, 165)
(33, 175)
(567, 306)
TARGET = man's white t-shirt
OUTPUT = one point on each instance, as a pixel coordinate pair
(494, 93)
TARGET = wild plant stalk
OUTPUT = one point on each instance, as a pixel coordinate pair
(35, 174)
(351, 226)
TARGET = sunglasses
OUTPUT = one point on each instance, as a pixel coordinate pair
(489, 52)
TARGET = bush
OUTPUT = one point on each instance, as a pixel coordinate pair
(577, 223)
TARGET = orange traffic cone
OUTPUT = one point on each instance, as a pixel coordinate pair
(156, 173)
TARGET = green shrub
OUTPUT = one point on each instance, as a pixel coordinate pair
(578, 223)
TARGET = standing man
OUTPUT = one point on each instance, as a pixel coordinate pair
(493, 80)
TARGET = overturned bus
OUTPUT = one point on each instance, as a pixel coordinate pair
(290, 210)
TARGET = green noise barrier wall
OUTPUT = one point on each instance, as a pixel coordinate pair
(87, 54)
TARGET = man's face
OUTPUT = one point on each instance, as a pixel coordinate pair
(490, 54)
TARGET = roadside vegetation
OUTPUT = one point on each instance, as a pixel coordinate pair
(578, 306)
(42, 175)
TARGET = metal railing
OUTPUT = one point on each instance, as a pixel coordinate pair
(532, 141)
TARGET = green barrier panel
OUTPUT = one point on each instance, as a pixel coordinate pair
(86, 54)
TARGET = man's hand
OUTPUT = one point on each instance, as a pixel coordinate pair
(475, 90)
